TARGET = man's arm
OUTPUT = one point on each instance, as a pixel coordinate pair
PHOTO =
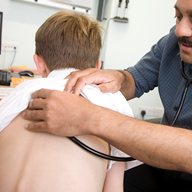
(158, 145)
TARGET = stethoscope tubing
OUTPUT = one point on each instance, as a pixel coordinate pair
(98, 153)
(185, 90)
(181, 103)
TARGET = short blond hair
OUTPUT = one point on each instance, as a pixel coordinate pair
(69, 39)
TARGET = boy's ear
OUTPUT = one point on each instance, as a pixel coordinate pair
(41, 65)
(98, 65)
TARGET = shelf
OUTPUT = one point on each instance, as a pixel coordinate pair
(62, 4)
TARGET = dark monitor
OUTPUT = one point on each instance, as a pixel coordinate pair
(1, 26)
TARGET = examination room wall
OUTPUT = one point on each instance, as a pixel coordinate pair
(124, 44)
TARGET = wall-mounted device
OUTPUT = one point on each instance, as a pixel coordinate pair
(122, 6)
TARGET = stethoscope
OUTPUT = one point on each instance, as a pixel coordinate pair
(124, 159)
(183, 96)
(98, 153)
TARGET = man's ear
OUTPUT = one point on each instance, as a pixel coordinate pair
(98, 65)
(41, 65)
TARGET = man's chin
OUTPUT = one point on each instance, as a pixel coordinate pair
(186, 58)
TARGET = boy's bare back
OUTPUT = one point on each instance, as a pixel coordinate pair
(35, 162)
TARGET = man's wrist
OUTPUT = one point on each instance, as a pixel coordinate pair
(124, 76)
(127, 84)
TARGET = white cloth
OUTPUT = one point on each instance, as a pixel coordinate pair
(18, 100)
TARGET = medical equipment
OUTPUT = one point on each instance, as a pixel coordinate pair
(188, 82)
(98, 153)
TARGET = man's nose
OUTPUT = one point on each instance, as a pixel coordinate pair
(184, 28)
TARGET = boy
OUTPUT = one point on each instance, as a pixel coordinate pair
(33, 162)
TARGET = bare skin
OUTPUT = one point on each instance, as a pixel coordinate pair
(43, 162)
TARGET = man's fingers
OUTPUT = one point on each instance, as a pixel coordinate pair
(36, 104)
(106, 80)
(97, 78)
(91, 78)
(37, 126)
(39, 99)
(33, 115)
(76, 80)
(42, 93)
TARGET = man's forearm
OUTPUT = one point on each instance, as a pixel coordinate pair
(158, 145)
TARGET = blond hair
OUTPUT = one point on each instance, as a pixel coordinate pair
(69, 39)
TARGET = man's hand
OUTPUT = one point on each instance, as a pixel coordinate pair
(107, 80)
(58, 113)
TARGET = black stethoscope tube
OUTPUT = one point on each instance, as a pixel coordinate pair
(181, 103)
(188, 82)
(98, 153)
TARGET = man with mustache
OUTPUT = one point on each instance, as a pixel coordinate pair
(167, 148)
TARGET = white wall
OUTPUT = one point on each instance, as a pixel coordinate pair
(148, 21)
(125, 43)
(20, 22)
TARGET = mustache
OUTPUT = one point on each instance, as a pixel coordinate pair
(185, 40)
